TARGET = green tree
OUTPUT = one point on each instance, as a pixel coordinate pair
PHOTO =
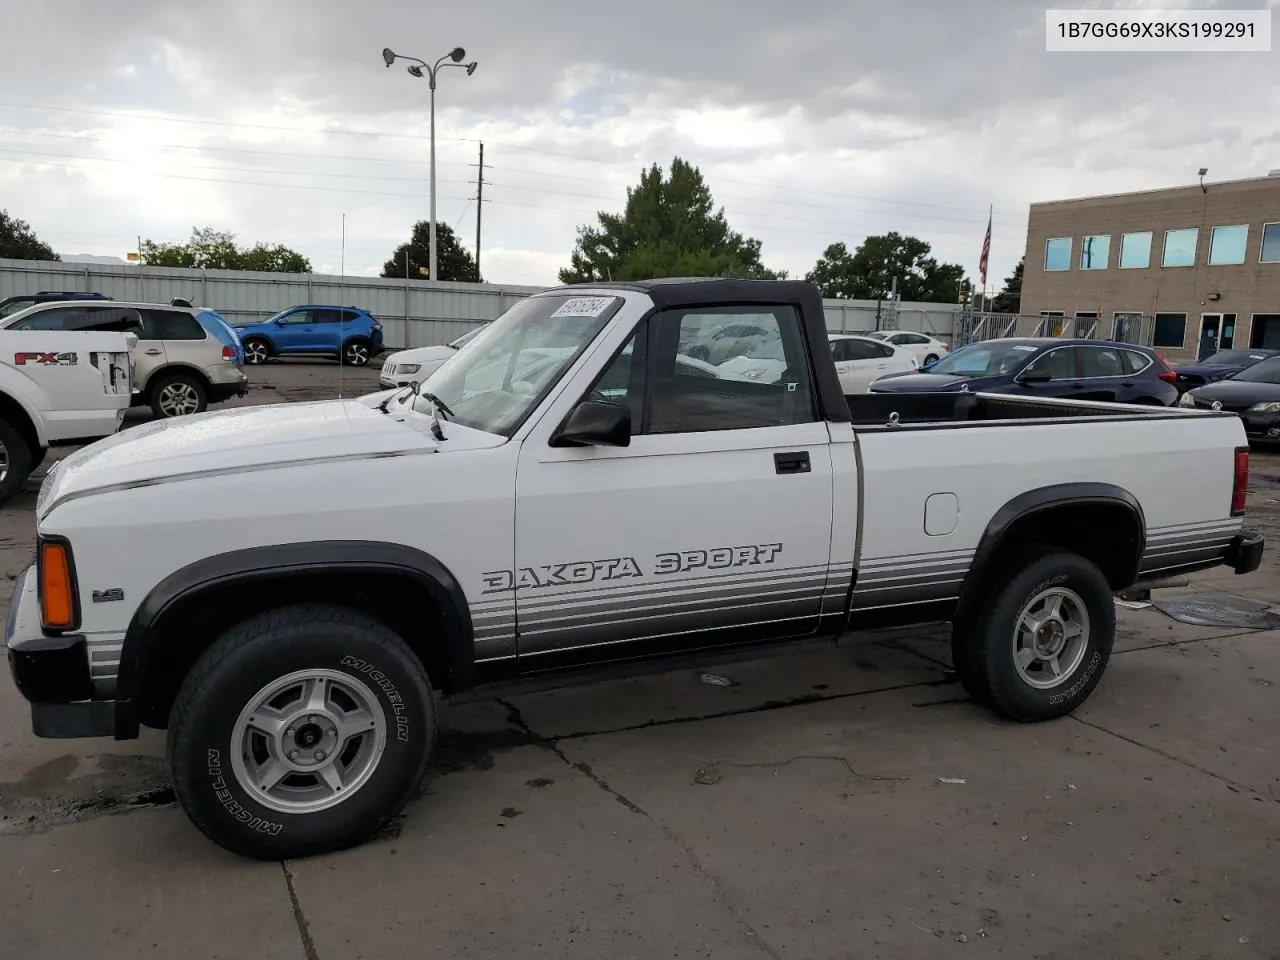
(868, 273)
(211, 249)
(669, 228)
(19, 242)
(1009, 299)
(413, 259)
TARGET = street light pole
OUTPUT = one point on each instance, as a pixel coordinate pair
(420, 68)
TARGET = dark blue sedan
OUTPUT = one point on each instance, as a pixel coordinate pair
(1047, 367)
(1217, 366)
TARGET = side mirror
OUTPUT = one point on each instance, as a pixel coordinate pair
(1031, 378)
(593, 423)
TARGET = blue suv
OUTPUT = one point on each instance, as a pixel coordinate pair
(348, 334)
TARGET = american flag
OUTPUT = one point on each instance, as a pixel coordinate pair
(986, 249)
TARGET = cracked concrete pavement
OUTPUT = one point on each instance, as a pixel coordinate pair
(845, 802)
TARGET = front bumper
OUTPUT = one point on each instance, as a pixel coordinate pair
(52, 673)
(1261, 426)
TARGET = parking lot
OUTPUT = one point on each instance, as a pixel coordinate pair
(836, 803)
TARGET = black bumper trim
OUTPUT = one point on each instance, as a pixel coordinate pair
(73, 721)
(1244, 554)
(52, 670)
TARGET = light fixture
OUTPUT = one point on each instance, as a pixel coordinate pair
(388, 56)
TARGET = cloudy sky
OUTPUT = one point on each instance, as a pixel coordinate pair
(814, 121)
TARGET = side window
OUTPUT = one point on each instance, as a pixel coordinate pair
(299, 317)
(1060, 364)
(840, 351)
(1134, 362)
(171, 325)
(866, 350)
(326, 316)
(59, 318)
(1100, 362)
(766, 385)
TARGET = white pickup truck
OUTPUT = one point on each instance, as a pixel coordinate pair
(306, 581)
(58, 387)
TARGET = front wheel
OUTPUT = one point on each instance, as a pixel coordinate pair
(256, 351)
(1040, 645)
(301, 731)
(931, 358)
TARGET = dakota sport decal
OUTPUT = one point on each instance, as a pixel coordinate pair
(623, 568)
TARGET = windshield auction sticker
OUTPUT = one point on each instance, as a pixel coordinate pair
(583, 307)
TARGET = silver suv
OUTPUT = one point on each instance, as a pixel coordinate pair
(186, 357)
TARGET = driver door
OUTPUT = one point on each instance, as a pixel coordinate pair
(711, 528)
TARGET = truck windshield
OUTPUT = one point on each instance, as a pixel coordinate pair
(511, 364)
(985, 360)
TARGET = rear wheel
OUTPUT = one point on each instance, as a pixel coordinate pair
(301, 731)
(931, 358)
(1040, 644)
(178, 395)
(256, 350)
(357, 352)
(16, 462)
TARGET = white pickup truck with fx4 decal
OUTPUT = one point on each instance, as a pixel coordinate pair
(572, 492)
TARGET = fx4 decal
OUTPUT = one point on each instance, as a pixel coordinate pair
(45, 359)
(621, 568)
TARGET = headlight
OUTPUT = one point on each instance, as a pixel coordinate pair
(1270, 407)
(1186, 400)
(407, 368)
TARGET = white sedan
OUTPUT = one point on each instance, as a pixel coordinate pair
(925, 348)
(404, 368)
(861, 360)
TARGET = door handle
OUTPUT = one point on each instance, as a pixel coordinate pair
(153, 352)
(797, 462)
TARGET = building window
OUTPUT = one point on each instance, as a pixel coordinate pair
(1170, 330)
(1127, 327)
(1095, 252)
(1135, 251)
(1180, 247)
(1057, 253)
(1270, 243)
(1226, 244)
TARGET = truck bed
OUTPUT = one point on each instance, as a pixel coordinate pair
(873, 411)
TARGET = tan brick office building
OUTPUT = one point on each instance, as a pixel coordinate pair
(1186, 269)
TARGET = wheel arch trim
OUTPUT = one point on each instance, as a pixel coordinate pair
(281, 561)
(1043, 499)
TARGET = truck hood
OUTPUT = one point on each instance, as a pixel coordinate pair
(242, 440)
(422, 355)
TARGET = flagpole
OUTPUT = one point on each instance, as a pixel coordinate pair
(986, 256)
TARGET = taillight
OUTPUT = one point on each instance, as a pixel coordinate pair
(228, 353)
(1166, 371)
(56, 578)
(1240, 482)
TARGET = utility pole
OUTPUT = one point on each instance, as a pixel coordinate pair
(479, 209)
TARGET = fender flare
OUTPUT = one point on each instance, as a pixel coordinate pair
(1032, 502)
(285, 560)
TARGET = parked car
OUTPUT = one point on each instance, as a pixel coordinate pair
(406, 367)
(925, 348)
(11, 305)
(726, 341)
(1253, 394)
(1217, 366)
(862, 360)
(1047, 367)
(348, 334)
(58, 387)
(295, 643)
(185, 359)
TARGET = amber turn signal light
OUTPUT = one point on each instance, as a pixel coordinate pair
(57, 586)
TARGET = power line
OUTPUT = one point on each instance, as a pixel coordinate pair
(510, 146)
(747, 215)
